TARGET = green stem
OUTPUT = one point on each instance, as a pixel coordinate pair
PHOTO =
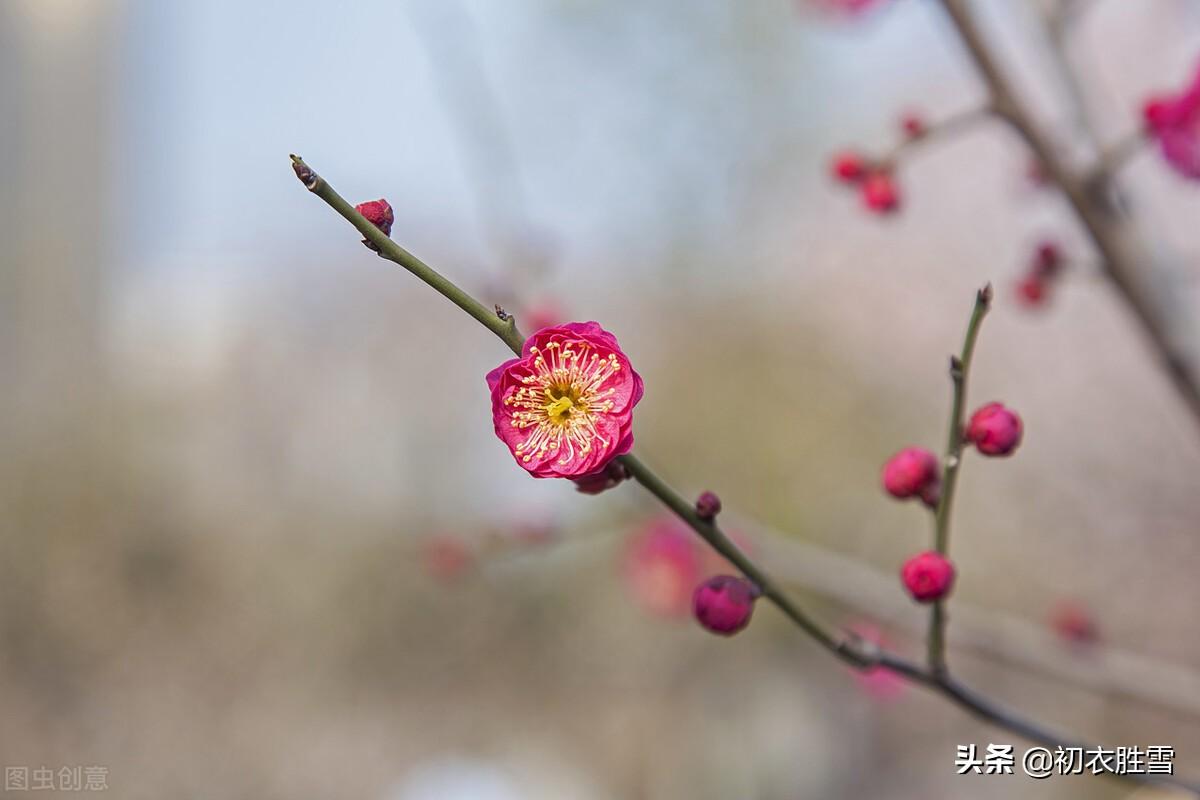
(960, 368)
(856, 653)
(711, 533)
(844, 649)
(503, 326)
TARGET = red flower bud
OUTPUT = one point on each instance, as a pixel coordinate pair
(1031, 291)
(661, 565)
(994, 430)
(928, 576)
(931, 494)
(1074, 623)
(723, 604)
(879, 193)
(1047, 260)
(603, 479)
(848, 167)
(708, 505)
(913, 472)
(447, 557)
(378, 213)
(913, 125)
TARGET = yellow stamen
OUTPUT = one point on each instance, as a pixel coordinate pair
(559, 409)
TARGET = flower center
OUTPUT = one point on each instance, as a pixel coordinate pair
(559, 410)
(561, 401)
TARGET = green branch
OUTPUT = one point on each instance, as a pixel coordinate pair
(960, 368)
(851, 650)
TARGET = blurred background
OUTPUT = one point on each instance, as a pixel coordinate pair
(258, 539)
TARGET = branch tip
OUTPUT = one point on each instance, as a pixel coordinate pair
(304, 172)
(984, 296)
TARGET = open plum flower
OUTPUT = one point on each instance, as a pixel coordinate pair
(1174, 120)
(565, 406)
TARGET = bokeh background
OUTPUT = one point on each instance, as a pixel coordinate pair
(257, 538)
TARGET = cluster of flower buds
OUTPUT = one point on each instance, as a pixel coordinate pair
(1033, 289)
(874, 181)
(993, 430)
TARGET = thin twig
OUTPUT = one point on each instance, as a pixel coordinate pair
(939, 131)
(960, 367)
(850, 649)
(503, 326)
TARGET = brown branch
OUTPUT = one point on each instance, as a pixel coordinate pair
(1121, 254)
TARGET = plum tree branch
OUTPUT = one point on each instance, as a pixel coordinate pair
(939, 131)
(1121, 254)
(847, 647)
(960, 368)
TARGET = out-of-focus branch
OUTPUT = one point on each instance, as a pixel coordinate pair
(1123, 256)
(849, 649)
(996, 637)
(1059, 21)
(939, 131)
(1113, 158)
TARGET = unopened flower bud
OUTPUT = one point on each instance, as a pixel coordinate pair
(879, 193)
(708, 505)
(602, 480)
(1047, 260)
(723, 604)
(913, 472)
(378, 213)
(931, 495)
(913, 125)
(928, 576)
(994, 430)
(447, 556)
(1031, 291)
(1074, 623)
(848, 167)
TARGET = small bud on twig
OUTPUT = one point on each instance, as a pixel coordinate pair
(379, 213)
(304, 172)
(984, 297)
(723, 604)
(708, 505)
